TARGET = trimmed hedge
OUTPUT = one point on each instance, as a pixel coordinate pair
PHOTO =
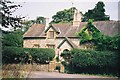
(17, 54)
(12, 54)
(41, 55)
(84, 58)
(93, 62)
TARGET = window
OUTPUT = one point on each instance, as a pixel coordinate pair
(36, 46)
(51, 34)
(51, 46)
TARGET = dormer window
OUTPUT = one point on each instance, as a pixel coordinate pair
(51, 34)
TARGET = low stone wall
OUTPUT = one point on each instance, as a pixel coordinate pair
(21, 71)
(48, 67)
(40, 67)
(16, 70)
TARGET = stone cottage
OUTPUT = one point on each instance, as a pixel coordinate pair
(63, 36)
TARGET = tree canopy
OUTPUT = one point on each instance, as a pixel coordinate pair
(13, 39)
(98, 13)
(7, 8)
(63, 16)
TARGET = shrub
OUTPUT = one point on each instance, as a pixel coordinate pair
(15, 54)
(66, 55)
(41, 55)
(12, 54)
(90, 61)
(84, 58)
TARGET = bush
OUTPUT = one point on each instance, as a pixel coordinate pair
(41, 55)
(15, 54)
(94, 62)
(12, 54)
(84, 58)
(66, 55)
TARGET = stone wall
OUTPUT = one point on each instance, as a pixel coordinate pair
(29, 43)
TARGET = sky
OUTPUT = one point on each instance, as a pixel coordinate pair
(47, 8)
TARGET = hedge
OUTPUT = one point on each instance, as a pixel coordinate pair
(84, 58)
(90, 61)
(15, 54)
(41, 55)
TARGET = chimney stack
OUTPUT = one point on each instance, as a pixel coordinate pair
(46, 23)
(77, 18)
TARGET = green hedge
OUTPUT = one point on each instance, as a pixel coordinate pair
(43, 54)
(10, 53)
(90, 61)
(84, 58)
(15, 54)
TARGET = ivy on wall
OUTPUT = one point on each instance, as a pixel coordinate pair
(88, 32)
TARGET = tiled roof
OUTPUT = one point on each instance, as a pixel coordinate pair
(67, 30)
(35, 30)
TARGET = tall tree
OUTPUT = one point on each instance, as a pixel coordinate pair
(98, 13)
(7, 8)
(63, 16)
(40, 20)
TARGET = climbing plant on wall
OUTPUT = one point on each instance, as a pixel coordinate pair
(88, 32)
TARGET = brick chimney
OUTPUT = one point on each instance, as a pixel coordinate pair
(77, 18)
(46, 23)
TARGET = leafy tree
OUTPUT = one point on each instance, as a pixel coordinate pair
(6, 12)
(98, 13)
(13, 39)
(27, 24)
(63, 16)
(40, 20)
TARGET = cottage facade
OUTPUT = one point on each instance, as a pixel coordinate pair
(63, 36)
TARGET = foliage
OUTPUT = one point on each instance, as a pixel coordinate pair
(6, 11)
(12, 54)
(17, 54)
(41, 55)
(27, 24)
(115, 42)
(98, 13)
(90, 61)
(64, 16)
(57, 59)
(66, 55)
(88, 32)
(13, 38)
(84, 58)
(40, 20)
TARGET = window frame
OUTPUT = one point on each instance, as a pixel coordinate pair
(49, 46)
(51, 35)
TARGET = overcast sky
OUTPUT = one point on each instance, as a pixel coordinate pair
(47, 8)
(33, 8)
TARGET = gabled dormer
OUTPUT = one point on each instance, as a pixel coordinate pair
(51, 32)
